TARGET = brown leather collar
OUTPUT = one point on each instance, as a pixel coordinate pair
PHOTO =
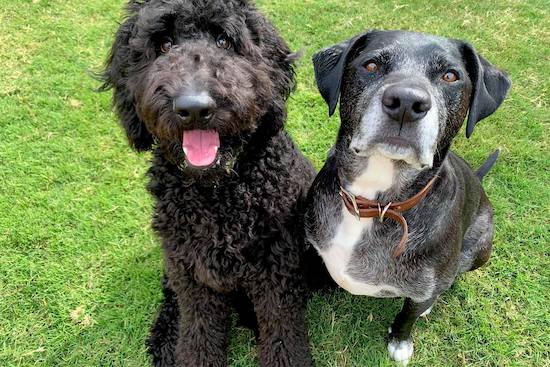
(365, 208)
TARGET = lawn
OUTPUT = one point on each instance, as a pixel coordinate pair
(80, 267)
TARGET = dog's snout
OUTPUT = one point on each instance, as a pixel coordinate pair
(406, 103)
(194, 107)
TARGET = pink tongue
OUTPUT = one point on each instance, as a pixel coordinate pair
(201, 146)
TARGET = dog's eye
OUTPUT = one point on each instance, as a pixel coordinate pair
(223, 42)
(166, 45)
(371, 66)
(450, 76)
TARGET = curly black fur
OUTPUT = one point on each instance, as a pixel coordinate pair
(231, 234)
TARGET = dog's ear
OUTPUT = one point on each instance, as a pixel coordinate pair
(284, 60)
(273, 48)
(329, 65)
(489, 86)
(115, 76)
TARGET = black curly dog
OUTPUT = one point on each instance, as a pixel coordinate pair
(203, 84)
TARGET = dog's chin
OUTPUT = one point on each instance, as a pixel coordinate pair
(400, 150)
(190, 166)
(403, 153)
(222, 165)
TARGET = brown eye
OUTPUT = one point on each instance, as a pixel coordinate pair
(371, 66)
(223, 42)
(450, 77)
(166, 45)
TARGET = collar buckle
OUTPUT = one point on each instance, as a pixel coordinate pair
(352, 198)
(383, 212)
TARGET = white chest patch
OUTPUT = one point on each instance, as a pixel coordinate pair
(377, 177)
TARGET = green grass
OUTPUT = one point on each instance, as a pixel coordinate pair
(80, 267)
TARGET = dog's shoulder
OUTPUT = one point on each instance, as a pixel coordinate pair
(323, 204)
(326, 182)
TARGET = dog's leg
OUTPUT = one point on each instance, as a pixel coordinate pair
(478, 239)
(204, 326)
(280, 311)
(400, 345)
(164, 333)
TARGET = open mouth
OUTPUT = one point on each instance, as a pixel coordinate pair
(201, 147)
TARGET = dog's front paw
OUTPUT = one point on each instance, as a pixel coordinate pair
(401, 351)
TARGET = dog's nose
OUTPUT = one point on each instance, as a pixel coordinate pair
(406, 103)
(194, 107)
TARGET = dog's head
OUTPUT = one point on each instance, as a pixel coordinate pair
(405, 95)
(200, 79)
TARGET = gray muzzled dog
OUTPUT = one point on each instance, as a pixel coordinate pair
(404, 97)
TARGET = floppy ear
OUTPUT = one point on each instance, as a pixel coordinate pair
(329, 65)
(273, 48)
(489, 87)
(115, 76)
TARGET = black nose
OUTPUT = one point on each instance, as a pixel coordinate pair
(406, 103)
(194, 107)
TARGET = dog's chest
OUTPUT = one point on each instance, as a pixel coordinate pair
(344, 250)
(199, 226)
(218, 235)
(346, 253)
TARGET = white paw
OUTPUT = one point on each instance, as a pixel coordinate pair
(401, 351)
(427, 312)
